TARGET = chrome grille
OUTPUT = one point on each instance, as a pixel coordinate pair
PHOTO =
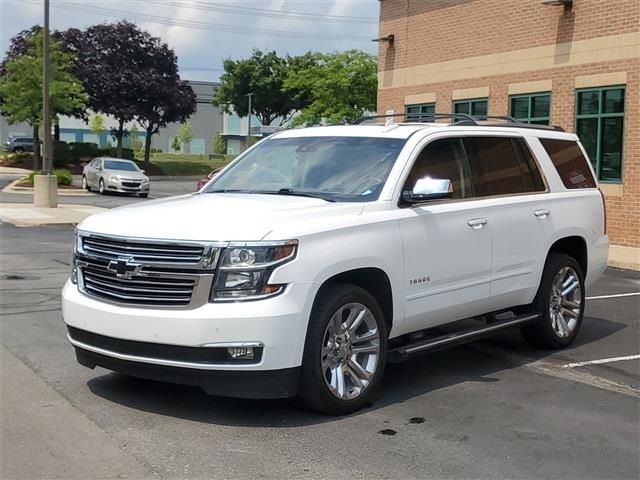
(150, 273)
(143, 252)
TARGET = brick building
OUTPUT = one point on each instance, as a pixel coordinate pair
(575, 64)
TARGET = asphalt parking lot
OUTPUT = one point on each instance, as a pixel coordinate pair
(494, 409)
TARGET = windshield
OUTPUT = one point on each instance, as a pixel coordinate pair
(343, 169)
(120, 165)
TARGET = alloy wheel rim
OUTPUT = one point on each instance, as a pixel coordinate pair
(565, 303)
(350, 351)
(84, 183)
(101, 186)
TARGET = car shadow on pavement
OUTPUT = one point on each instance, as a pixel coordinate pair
(404, 381)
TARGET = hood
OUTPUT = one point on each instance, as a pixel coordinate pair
(216, 217)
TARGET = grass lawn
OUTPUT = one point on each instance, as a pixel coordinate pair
(186, 165)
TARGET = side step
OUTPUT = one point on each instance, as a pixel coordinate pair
(448, 340)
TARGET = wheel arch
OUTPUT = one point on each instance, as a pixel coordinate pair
(576, 247)
(372, 279)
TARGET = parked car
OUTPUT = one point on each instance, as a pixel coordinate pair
(19, 144)
(322, 253)
(106, 174)
(204, 180)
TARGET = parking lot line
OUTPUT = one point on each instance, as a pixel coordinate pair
(630, 294)
(602, 360)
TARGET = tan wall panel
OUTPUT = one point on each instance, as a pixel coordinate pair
(530, 87)
(478, 92)
(420, 98)
(602, 80)
(604, 49)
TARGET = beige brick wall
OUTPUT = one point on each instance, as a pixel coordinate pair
(434, 31)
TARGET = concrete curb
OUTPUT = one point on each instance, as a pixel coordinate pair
(164, 178)
(12, 188)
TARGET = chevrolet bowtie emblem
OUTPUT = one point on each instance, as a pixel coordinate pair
(124, 267)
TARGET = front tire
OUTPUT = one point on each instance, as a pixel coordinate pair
(101, 187)
(345, 351)
(560, 302)
(143, 195)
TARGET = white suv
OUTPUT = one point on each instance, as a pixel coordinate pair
(322, 253)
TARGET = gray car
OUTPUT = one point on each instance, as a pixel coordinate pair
(19, 144)
(106, 174)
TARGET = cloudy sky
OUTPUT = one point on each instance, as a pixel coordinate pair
(205, 32)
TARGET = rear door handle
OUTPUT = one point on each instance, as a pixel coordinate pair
(543, 213)
(477, 223)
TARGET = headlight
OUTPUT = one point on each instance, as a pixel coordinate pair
(245, 270)
(114, 179)
(145, 179)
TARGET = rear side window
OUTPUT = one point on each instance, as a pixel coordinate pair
(501, 166)
(570, 163)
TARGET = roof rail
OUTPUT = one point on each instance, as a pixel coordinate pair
(460, 119)
(419, 117)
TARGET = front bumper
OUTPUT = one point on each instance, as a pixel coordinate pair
(277, 324)
(242, 384)
(121, 188)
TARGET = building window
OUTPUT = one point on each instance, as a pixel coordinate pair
(417, 112)
(478, 107)
(531, 108)
(600, 126)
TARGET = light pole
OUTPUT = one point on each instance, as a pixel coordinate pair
(250, 95)
(45, 186)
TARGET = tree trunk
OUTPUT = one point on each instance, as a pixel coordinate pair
(147, 144)
(56, 129)
(37, 166)
(119, 136)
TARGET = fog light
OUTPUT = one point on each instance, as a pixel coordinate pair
(240, 353)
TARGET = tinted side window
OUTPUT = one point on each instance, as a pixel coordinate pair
(570, 163)
(530, 173)
(442, 159)
(496, 168)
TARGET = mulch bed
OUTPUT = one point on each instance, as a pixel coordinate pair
(26, 183)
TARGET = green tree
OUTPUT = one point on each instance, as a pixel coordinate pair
(21, 87)
(263, 75)
(184, 135)
(134, 138)
(175, 145)
(338, 87)
(96, 124)
(218, 144)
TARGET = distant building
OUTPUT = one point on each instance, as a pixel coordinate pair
(206, 122)
(575, 64)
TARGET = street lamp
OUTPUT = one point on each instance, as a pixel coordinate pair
(45, 186)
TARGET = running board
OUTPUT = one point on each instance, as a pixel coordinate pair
(448, 340)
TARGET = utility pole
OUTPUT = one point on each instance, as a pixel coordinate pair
(45, 186)
(250, 95)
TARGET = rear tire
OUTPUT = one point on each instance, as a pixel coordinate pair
(345, 351)
(560, 314)
(85, 184)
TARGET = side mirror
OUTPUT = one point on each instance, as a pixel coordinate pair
(427, 189)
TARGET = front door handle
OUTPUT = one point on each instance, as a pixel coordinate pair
(477, 223)
(543, 213)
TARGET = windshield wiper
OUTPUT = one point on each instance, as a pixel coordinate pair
(296, 193)
(229, 190)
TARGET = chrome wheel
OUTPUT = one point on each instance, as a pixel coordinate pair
(101, 186)
(565, 303)
(350, 351)
(84, 183)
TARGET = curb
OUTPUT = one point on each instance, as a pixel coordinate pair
(12, 188)
(165, 178)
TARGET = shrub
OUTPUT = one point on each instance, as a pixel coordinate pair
(63, 176)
